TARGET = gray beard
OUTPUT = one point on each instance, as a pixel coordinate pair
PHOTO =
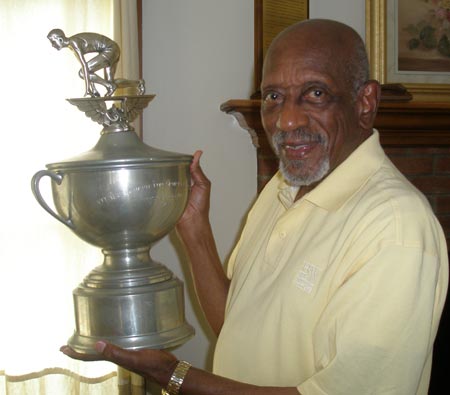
(298, 180)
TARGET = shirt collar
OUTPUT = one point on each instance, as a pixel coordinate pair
(334, 190)
(286, 192)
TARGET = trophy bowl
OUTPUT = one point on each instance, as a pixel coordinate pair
(120, 203)
(123, 200)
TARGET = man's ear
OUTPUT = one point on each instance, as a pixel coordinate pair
(368, 100)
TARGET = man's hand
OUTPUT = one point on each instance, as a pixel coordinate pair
(158, 366)
(155, 365)
(197, 209)
(70, 352)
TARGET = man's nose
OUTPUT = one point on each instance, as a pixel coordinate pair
(291, 117)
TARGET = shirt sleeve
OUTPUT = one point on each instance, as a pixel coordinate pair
(375, 335)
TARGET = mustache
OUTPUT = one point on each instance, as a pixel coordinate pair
(298, 136)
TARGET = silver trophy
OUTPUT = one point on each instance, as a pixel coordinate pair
(121, 196)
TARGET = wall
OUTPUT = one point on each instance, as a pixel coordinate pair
(198, 54)
(351, 12)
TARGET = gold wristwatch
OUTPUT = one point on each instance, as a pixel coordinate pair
(176, 379)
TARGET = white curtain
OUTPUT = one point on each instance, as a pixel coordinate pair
(42, 261)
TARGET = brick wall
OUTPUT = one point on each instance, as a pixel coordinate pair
(428, 168)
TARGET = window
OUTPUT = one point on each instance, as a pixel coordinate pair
(41, 261)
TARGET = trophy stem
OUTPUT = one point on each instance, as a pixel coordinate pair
(129, 267)
(128, 258)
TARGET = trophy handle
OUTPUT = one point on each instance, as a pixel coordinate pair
(57, 177)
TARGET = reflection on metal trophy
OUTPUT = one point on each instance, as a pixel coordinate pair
(122, 196)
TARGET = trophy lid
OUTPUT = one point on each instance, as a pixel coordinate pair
(118, 144)
(118, 149)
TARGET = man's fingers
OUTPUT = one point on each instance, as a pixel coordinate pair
(105, 351)
(196, 158)
(197, 174)
(70, 352)
(196, 170)
(118, 355)
(100, 346)
(156, 365)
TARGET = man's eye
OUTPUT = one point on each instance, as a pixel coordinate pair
(316, 95)
(272, 97)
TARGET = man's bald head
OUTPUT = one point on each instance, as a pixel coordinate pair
(334, 42)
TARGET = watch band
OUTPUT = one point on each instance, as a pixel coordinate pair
(176, 379)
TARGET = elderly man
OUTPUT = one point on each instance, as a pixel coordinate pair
(339, 278)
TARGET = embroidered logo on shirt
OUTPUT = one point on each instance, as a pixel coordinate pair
(306, 277)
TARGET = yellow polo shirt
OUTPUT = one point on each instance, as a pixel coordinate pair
(340, 292)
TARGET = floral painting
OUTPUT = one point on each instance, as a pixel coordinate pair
(423, 36)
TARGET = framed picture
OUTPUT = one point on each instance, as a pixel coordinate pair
(271, 17)
(408, 42)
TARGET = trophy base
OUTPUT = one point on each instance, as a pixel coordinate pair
(166, 340)
(139, 316)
